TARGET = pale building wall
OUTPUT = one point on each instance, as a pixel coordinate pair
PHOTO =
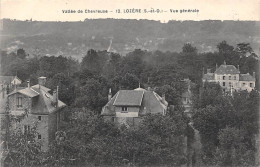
(129, 109)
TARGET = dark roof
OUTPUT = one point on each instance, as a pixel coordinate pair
(129, 98)
(227, 69)
(246, 77)
(208, 76)
(42, 99)
(43, 103)
(151, 102)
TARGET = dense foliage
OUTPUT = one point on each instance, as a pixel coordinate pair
(227, 125)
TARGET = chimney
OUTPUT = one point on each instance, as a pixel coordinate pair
(149, 88)
(163, 97)
(216, 66)
(208, 71)
(55, 97)
(225, 63)
(54, 100)
(109, 94)
(254, 74)
(238, 67)
(42, 81)
(28, 83)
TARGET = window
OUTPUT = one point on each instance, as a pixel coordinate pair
(19, 102)
(224, 84)
(223, 77)
(229, 83)
(124, 108)
(251, 85)
(39, 118)
(229, 77)
(39, 136)
(27, 129)
(235, 77)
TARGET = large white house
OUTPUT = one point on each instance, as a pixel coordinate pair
(230, 79)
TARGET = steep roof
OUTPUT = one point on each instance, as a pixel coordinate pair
(227, 69)
(150, 102)
(44, 103)
(42, 100)
(129, 98)
(246, 77)
(208, 76)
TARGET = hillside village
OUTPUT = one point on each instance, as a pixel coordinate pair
(143, 109)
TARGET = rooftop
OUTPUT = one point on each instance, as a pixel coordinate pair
(246, 77)
(129, 98)
(227, 69)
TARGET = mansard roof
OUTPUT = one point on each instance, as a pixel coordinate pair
(227, 69)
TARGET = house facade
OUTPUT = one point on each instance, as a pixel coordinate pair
(38, 108)
(230, 79)
(128, 106)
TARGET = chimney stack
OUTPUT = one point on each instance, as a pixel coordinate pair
(254, 74)
(28, 83)
(225, 63)
(149, 89)
(109, 94)
(163, 97)
(54, 100)
(55, 97)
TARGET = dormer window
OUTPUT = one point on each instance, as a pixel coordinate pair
(124, 108)
(223, 77)
(229, 77)
(19, 102)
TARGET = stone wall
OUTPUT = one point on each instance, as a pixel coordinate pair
(41, 122)
(26, 102)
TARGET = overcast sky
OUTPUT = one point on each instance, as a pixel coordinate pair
(51, 10)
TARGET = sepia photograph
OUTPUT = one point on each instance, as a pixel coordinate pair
(111, 83)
